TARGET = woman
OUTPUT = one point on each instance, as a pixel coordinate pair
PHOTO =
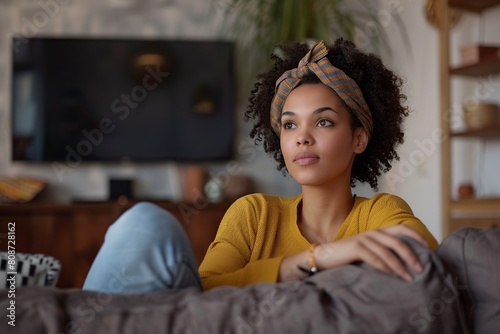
(330, 117)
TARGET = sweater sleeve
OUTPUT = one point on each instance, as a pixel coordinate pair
(388, 210)
(228, 258)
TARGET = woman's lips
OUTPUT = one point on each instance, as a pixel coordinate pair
(305, 158)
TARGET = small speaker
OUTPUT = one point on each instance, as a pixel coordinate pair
(119, 188)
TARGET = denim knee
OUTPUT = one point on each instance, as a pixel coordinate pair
(147, 217)
(146, 249)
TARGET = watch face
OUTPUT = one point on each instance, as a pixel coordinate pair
(214, 191)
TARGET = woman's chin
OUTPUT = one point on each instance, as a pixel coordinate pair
(309, 180)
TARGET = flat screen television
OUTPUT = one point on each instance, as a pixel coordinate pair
(121, 99)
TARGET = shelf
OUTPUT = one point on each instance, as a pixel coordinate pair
(478, 212)
(492, 131)
(473, 6)
(459, 223)
(485, 67)
(477, 205)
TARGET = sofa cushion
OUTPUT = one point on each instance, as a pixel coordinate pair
(473, 255)
(349, 299)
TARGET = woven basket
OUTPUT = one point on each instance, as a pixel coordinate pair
(481, 115)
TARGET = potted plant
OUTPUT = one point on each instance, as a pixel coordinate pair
(259, 25)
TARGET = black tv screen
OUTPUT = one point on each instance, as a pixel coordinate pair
(120, 99)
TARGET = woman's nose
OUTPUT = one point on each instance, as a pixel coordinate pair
(304, 137)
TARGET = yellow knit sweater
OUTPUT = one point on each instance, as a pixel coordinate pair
(259, 230)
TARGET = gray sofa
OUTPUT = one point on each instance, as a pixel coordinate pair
(458, 292)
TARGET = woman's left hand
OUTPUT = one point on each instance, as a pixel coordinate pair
(380, 248)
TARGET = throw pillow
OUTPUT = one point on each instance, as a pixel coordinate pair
(31, 269)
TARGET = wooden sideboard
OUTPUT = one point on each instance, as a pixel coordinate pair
(73, 233)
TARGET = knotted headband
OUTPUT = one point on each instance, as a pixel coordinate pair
(316, 62)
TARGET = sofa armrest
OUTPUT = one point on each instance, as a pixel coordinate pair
(473, 256)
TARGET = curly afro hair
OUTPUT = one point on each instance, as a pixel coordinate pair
(381, 89)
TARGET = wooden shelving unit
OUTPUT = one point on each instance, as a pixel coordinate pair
(479, 212)
(476, 205)
(472, 6)
(483, 68)
(491, 131)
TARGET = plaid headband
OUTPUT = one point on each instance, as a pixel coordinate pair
(315, 61)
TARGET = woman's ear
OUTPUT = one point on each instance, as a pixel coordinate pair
(360, 140)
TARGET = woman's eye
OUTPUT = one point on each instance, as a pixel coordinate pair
(288, 125)
(325, 122)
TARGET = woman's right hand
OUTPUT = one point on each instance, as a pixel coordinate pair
(379, 248)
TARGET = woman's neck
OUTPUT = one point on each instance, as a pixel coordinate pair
(324, 209)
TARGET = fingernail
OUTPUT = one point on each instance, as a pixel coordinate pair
(407, 277)
(418, 267)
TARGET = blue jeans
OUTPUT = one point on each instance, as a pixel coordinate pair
(145, 250)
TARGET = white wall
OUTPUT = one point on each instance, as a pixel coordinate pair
(417, 183)
(416, 177)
